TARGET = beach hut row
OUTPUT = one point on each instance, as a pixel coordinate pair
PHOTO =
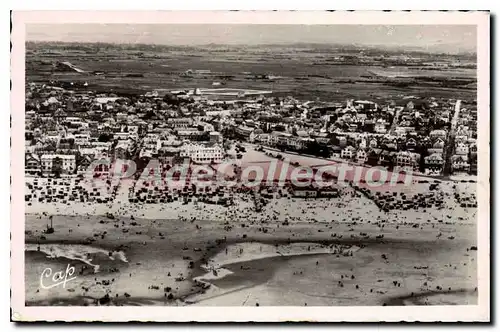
(64, 194)
(466, 200)
(400, 201)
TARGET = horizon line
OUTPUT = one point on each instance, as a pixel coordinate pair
(391, 47)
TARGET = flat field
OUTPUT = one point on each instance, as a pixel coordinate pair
(305, 75)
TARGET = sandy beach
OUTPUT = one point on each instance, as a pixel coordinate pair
(258, 256)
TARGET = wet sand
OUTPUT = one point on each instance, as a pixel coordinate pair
(164, 257)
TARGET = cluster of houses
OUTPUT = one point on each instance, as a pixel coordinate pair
(66, 130)
(411, 133)
(464, 158)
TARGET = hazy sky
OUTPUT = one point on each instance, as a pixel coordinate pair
(454, 37)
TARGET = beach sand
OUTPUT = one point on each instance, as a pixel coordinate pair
(343, 209)
(165, 259)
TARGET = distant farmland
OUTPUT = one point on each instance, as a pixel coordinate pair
(409, 72)
(304, 76)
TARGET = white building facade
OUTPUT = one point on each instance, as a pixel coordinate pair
(203, 154)
(49, 162)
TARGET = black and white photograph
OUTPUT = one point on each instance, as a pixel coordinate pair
(205, 165)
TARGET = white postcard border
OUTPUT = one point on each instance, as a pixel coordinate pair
(20, 312)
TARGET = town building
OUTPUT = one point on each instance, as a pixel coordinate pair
(406, 160)
(462, 149)
(180, 122)
(245, 132)
(433, 163)
(215, 137)
(460, 163)
(304, 191)
(32, 164)
(203, 154)
(380, 127)
(348, 152)
(361, 156)
(437, 147)
(438, 133)
(53, 164)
